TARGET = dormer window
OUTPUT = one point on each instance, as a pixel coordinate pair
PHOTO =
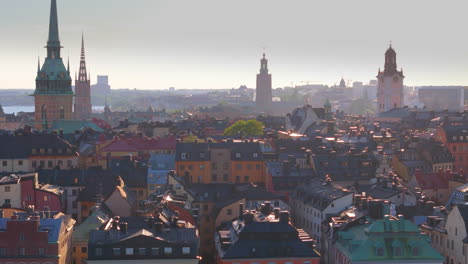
(255, 155)
(238, 154)
(184, 156)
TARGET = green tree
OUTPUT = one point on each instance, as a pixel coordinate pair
(250, 127)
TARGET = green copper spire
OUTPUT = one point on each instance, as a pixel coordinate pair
(53, 43)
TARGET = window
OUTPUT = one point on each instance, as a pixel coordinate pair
(415, 251)
(249, 166)
(84, 249)
(42, 163)
(40, 251)
(154, 251)
(379, 251)
(202, 167)
(225, 177)
(74, 192)
(98, 251)
(184, 156)
(255, 155)
(182, 167)
(34, 164)
(214, 177)
(238, 155)
(21, 236)
(62, 113)
(190, 167)
(116, 251)
(50, 164)
(7, 201)
(4, 163)
(2, 251)
(22, 251)
(69, 163)
(140, 192)
(214, 166)
(29, 198)
(239, 167)
(7, 188)
(205, 207)
(397, 251)
(167, 251)
(225, 166)
(238, 178)
(185, 251)
(129, 251)
(46, 198)
(20, 163)
(257, 167)
(202, 155)
(246, 178)
(229, 212)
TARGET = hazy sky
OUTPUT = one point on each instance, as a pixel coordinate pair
(156, 44)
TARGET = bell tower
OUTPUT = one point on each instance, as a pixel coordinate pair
(263, 95)
(53, 97)
(390, 84)
(83, 106)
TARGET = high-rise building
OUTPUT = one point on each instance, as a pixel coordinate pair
(102, 87)
(263, 92)
(83, 107)
(53, 96)
(390, 84)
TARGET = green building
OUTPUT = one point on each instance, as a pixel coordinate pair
(388, 240)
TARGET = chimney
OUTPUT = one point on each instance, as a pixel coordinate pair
(149, 222)
(284, 217)
(123, 227)
(248, 218)
(241, 210)
(158, 226)
(276, 211)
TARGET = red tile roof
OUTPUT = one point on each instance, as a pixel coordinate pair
(183, 213)
(136, 143)
(432, 180)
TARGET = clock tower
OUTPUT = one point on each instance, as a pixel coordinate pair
(390, 84)
(53, 97)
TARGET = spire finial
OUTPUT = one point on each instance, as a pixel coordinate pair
(38, 64)
(54, 40)
(390, 44)
(68, 65)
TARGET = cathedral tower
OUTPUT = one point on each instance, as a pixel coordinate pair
(53, 97)
(263, 91)
(83, 107)
(390, 84)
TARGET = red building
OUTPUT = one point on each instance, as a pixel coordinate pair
(28, 238)
(53, 97)
(455, 137)
(42, 197)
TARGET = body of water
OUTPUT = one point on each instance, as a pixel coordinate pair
(30, 108)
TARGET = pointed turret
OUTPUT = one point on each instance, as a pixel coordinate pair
(53, 43)
(82, 76)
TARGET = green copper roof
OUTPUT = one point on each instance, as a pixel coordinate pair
(54, 40)
(363, 242)
(70, 126)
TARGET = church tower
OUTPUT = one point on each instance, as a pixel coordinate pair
(53, 96)
(83, 107)
(263, 91)
(390, 84)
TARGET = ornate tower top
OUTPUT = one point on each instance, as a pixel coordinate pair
(53, 77)
(83, 76)
(264, 65)
(390, 67)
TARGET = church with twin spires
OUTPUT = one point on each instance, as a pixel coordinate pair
(53, 96)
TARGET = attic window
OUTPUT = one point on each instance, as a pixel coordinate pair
(255, 155)
(186, 251)
(184, 156)
(238, 154)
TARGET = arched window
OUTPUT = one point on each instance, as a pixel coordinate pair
(62, 113)
(43, 112)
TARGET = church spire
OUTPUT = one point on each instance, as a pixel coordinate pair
(82, 76)
(38, 64)
(53, 43)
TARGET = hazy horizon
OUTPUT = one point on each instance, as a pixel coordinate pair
(206, 44)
